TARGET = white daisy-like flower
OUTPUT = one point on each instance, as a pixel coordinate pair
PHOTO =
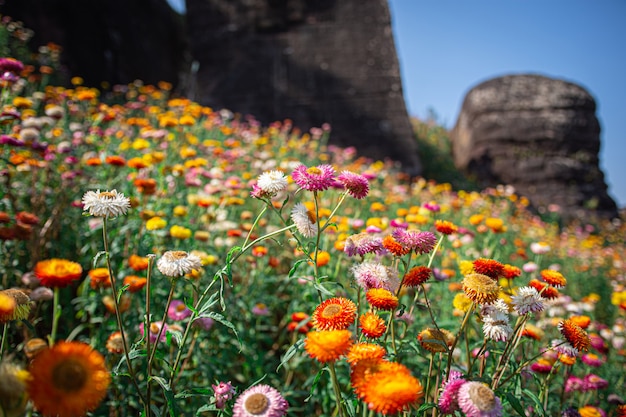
(564, 347)
(527, 300)
(272, 182)
(495, 320)
(105, 203)
(178, 263)
(305, 220)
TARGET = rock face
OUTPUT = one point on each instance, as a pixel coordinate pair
(540, 135)
(314, 62)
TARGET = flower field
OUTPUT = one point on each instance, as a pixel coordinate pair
(159, 257)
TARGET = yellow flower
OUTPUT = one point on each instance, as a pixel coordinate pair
(180, 211)
(466, 267)
(156, 223)
(180, 232)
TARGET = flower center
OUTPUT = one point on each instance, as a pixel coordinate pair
(331, 311)
(482, 397)
(69, 375)
(106, 194)
(181, 307)
(257, 403)
(314, 171)
(154, 328)
(178, 254)
(311, 215)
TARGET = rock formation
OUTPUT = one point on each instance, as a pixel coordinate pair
(540, 135)
(314, 62)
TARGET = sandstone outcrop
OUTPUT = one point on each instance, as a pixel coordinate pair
(540, 135)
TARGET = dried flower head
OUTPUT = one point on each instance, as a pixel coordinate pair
(435, 340)
(480, 288)
(478, 400)
(381, 299)
(318, 178)
(527, 300)
(336, 313)
(575, 335)
(305, 220)
(105, 203)
(328, 345)
(178, 263)
(260, 401)
(356, 185)
(272, 182)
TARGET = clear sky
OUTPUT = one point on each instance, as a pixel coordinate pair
(446, 47)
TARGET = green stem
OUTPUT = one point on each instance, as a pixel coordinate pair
(147, 331)
(56, 314)
(458, 335)
(331, 367)
(4, 336)
(147, 335)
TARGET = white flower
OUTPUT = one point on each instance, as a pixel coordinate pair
(105, 203)
(495, 320)
(178, 263)
(564, 347)
(272, 182)
(527, 300)
(304, 220)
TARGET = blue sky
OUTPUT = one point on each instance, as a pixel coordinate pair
(446, 47)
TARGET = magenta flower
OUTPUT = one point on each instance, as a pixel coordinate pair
(178, 311)
(356, 185)
(592, 359)
(593, 382)
(204, 323)
(224, 391)
(573, 383)
(11, 65)
(317, 178)
(155, 327)
(260, 401)
(448, 400)
(260, 309)
(362, 243)
(420, 242)
(375, 275)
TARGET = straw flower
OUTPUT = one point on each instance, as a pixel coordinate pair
(260, 401)
(434, 340)
(417, 276)
(272, 182)
(381, 299)
(13, 396)
(328, 345)
(545, 291)
(356, 185)
(394, 247)
(362, 243)
(67, 380)
(57, 272)
(361, 351)
(14, 305)
(492, 268)
(336, 313)
(372, 325)
(575, 335)
(446, 227)
(480, 288)
(448, 399)
(178, 263)
(114, 343)
(478, 400)
(135, 283)
(554, 278)
(391, 390)
(99, 278)
(317, 178)
(420, 242)
(105, 203)
(375, 275)
(138, 263)
(305, 220)
(527, 300)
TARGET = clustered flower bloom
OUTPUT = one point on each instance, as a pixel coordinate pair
(105, 203)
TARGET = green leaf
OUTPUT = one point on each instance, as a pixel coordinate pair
(515, 404)
(426, 407)
(295, 266)
(221, 319)
(538, 404)
(293, 349)
(169, 395)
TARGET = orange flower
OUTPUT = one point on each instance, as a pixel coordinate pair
(136, 163)
(492, 268)
(372, 325)
(445, 227)
(567, 359)
(391, 391)
(575, 335)
(496, 225)
(138, 263)
(381, 298)
(115, 160)
(394, 247)
(26, 218)
(123, 304)
(417, 276)
(434, 340)
(582, 321)
(328, 345)
(544, 290)
(93, 162)
(145, 186)
(135, 283)
(532, 331)
(554, 278)
(67, 380)
(57, 272)
(7, 307)
(361, 351)
(480, 288)
(115, 344)
(99, 278)
(323, 258)
(510, 271)
(334, 314)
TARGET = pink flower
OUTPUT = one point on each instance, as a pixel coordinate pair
(155, 327)
(478, 400)
(317, 178)
(592, 359)
(448, 400)
(593, 382)
(178, 311)
(420, 242)
(224, 391)
(260, 400)
(362, 243)
(573, 383)
(204, 323)
(356, 185)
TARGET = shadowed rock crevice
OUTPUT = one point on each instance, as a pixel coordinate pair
(540, 135)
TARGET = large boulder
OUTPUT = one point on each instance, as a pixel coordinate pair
(540, 135)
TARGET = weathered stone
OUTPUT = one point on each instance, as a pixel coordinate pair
(314, 62)
(540, 135)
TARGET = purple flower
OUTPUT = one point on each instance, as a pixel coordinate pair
(260, 309)
(317, 178)
(362, 243)
(178, 311)
(11, 65)
(573, 383)
(10, 140)
(593, 382)
(155, 327)
(375, 275)
(420, 242)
